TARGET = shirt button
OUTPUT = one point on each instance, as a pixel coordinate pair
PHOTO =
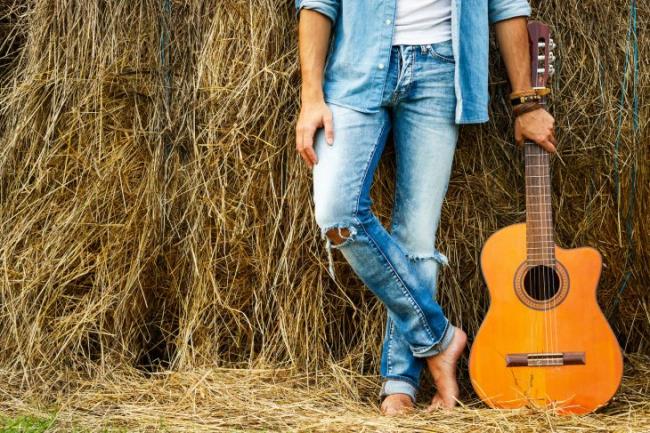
(388, 22)
(380, 66)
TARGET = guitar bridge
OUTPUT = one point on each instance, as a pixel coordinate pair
(547, 359)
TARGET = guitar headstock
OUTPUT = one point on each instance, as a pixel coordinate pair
(541, 53)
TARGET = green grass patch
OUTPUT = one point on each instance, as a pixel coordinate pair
(25, 424)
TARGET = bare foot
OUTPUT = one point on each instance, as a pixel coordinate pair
(443, 370)
(396, 404)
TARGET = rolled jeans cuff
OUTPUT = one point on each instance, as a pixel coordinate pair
(396, 386)
(440, 346)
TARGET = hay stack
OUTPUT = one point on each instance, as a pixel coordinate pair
(155, 212)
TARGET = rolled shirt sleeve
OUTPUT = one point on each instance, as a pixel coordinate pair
(499, 10)
(329, 8)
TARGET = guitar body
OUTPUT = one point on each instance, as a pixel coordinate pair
(515, 356)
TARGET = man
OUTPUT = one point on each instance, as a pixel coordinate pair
(418, 69)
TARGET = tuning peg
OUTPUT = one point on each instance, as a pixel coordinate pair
(551, 57)
(552, 44)
(551, 70)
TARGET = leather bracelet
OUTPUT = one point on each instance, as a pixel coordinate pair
(526, 107)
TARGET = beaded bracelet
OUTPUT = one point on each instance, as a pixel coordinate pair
(525, 96)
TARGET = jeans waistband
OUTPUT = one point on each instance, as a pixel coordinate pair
(422, 47)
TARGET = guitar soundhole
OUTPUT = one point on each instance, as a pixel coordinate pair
(541, 287)
(541, 282)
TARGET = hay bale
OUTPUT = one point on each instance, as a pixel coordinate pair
(155, 212)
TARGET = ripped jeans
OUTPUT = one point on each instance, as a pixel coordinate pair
(399, 267)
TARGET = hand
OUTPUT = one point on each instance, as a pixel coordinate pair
(536, 126)
(313, 115)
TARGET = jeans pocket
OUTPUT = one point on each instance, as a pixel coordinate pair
(442, 51)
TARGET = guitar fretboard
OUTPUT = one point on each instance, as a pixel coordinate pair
(539, 216)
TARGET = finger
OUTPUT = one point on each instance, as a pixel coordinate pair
(308, 144)
(553, 139)
(303, 155)
(519, 141)
(329, 129)
(305, 158)
(547, 145)
(311, 154)
(518, 138)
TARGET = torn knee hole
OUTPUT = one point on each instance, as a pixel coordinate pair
(338, 235)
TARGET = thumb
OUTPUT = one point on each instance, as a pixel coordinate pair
(519, 137)
(329, 129)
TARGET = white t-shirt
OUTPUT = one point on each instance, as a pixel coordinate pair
(420, 22)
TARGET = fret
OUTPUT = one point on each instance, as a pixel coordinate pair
(540, 244)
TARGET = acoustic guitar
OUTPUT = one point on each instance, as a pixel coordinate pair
(544, 341)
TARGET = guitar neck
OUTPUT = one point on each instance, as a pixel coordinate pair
(539, 212)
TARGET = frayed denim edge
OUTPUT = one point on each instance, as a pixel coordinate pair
(329, 245)
(437, 256)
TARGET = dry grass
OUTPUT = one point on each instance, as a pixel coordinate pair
(285, 400)
(170, 228)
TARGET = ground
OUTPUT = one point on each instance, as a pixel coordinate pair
(280, 400)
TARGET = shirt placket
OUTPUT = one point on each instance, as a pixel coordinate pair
(388, 20)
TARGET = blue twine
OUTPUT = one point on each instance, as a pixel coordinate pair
(631, 40)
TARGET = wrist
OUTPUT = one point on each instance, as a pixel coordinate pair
(522, 88)
(311, 92)
(521, 84)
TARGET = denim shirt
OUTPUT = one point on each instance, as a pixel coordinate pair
(357, 61)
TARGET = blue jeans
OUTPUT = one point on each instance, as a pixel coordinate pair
(399, 267)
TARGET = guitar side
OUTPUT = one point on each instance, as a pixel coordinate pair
(575, 325)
